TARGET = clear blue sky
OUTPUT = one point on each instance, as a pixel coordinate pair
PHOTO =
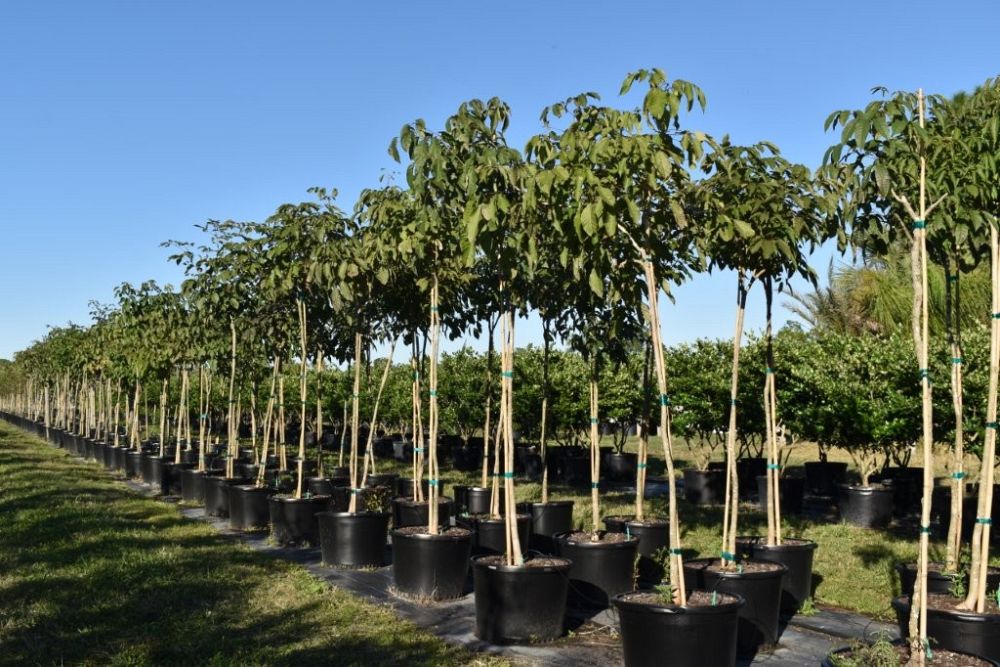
(124, 123)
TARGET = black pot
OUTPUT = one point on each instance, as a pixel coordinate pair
(791, 492)
(293, 521)
(621, 467)
(705, 487)
(478, 499)
(759, 618)
(600, 570)
(747, 472)
(108, 456)
(959, 631)
(353, 540)
(489, 536)
(937, 580)
(907, 489)
(654, 535)
(823, 478)
(795, 554)
(120, 458)
(653, 635)
(831, 659)
(133, 465)
(576, 470)
(405, 512)
(868, 507)
(190, 456)
(404, 487)
(248, 507)
(172, 477)
(460, 492)
(193, 486)
(548, 519)
(320, 486)
(431, 566)
(519, 604)
(157, 468)
(217, 494)
(382, 479)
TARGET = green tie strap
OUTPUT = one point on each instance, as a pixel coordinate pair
(984, 521)
(958, 475)
(919, 224)
(727, 556)
(595, 485)
(664, 399)
(774, 466)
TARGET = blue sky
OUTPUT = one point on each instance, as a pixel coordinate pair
(125, 123)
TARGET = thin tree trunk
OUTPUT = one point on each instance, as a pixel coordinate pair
(378, 398)
(543, 442)
(355, 418)
(432, 419)
(513, 541)
(732, 499)
(303, 389)
(231, 444)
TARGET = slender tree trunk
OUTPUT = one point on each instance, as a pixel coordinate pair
(489, 405)
(953, 315)
(976, 599)
(319, 413)
(432, 420)
(675, 559)
(231, 444)
(771, 426)
(543, 442)
(303, 388)
(268, 418)
(643, 456)
(513, 542)
(732, 500)
(378, 399)
(355, 418)
(595, 452)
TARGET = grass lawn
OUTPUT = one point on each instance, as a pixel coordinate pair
(92, 573)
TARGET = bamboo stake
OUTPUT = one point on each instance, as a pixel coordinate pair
(231, 444)
(378, 399)
(303, 388)
(432, 420)
(268, 416)
(353, 461)
(319, 413)
(732, 499)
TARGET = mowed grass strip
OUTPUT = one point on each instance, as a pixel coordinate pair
(92, 573)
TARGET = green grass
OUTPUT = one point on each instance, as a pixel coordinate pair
(853, 567)
(92, 573)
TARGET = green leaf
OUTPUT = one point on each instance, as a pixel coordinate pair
(596, 284)
(679, 215)
(662, 165)
(743, 229)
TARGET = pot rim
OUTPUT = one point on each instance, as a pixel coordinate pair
(964, 616)
(523, 569)
(620, 602)
(627, 543)
(313, 500)
(876, 487)
(780, 571)
(809, 545)
(557, 503)
(397, 533)
(359, 515)
(654, 522)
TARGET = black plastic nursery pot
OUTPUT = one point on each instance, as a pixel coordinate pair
(382, 479)
(406, 512)
(621, 467)
(832, 658)
(697, 634)
(133, 464)
(489, 535)
(431, 567)
(747, 472)
(548, 519)
(795, 554)
(938, 581)
(959, 631)
(320, 486)
(600, 570)
(120, 458)
(654, 535)
(353, 540)
(907, 489)
(293, 520)
(520, 603)
(791, 493)
(823, 478)
(575, 470)
(477, 499)
(868, 507)
(108, 455)
(157, 468)
(760, 587)
(217, 494)
(193, 485)
(172, 477)
(248, 507)
(404, 487)
(705, 487)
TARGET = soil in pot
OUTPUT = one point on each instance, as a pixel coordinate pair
(520, 604)
(548, 519)
(407, 512)
(353, 540)
(823, 478)
(430, 567)
(757, 582)
(217, 494)
(791, 493)
(248, 507)
(955, 630)
(796, 555)
(704, 487)
(293, 520)
(703, 632)
(880, 654)
(654, 535)
(602, 567)
(868, 507)
(489, 534)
